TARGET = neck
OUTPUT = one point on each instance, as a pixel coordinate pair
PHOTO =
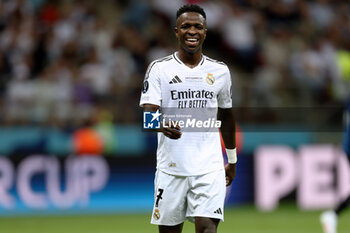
(189, 59)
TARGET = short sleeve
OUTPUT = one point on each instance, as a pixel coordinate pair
(151, 90)
(225, 94)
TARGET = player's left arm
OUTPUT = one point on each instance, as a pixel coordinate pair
(228, 129)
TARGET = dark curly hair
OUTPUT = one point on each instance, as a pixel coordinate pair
(191, 8)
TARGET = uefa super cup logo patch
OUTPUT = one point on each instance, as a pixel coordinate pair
(210, 79)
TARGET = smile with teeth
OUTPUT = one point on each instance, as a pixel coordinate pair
(192, 39)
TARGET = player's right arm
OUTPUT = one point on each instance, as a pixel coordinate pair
(151, 99)
(170, 131)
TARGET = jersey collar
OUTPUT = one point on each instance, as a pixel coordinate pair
(180, 62)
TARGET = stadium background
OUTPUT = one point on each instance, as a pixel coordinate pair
(70, 126)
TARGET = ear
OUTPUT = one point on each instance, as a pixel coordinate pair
(205, 33)
(176, 31)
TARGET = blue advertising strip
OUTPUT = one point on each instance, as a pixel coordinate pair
(43, 184)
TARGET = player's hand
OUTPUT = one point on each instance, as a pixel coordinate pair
(230, 170)
(172, 131)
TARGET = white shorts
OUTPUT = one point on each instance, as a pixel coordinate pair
(180, 197)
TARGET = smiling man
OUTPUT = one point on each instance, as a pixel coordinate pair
(191, 178)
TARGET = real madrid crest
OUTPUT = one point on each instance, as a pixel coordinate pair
(156, 214)
(210, 79)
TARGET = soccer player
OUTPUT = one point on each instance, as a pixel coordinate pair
(191, 177)
(329, 219)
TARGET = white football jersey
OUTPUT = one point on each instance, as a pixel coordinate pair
(177, 88)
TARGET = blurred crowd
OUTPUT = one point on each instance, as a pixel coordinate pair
(70, 63)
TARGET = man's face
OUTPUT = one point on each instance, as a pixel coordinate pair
(191, 31)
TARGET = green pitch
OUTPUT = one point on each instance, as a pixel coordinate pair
(246, 219)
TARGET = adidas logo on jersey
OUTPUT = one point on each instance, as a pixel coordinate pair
(176, 79)
(218, 211)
